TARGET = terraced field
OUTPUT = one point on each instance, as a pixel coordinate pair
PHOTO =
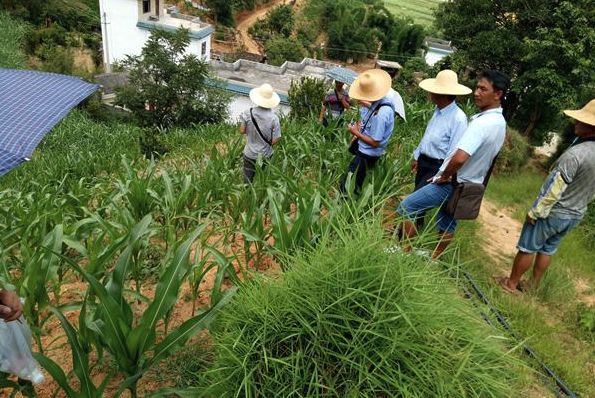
(420, 10)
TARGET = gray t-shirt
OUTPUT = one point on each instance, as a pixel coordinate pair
(577, 168)
(270, 127)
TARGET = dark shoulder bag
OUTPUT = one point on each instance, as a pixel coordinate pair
(270, 142)
(466, 197)
(354, 146)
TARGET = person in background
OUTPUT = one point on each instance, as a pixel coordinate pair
(336, 101)
(371, 134)
(10, 305)
(443, 132)
(560, 206)
(261, 127)
(469, 162)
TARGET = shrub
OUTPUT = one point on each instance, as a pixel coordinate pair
(350, 320)
(515, 153)
(280, 49)
(12, 37)
(305, 97)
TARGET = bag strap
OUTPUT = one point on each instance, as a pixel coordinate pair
(372, 113)
(486, 179)
(270, 142)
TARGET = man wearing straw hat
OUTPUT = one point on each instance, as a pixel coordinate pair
(444, 130)
(371, 134)
(561, 204)
(261, 127)
(470, 161)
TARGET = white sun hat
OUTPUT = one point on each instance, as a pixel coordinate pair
(446, 83)
(265, 96)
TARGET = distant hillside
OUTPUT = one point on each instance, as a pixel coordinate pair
(11, 42)
(420, 10)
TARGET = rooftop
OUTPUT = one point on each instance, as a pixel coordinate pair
(170, 19)
(250, 74)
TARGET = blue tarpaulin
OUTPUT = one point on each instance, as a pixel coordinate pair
(342, 74)
(31, 103)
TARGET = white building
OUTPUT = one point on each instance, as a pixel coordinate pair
(437, 49)
(126, 25)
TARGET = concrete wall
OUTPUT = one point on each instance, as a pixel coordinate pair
(434, 55)
(240, 104)
(125, 38)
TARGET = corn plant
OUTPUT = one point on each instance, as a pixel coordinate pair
(132, 342)
(136, 190)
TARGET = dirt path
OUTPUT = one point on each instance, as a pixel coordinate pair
(246, 21)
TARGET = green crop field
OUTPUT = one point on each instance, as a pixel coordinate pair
(420, 10)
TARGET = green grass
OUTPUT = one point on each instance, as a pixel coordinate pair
(12, 33)
(421, 11)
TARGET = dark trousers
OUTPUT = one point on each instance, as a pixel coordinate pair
(250, 169)
(427, 168)
(358, 166)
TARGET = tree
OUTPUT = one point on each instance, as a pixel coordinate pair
(169, 87)
(305, 97)
(222, 10)
(280, 49)
(546, 46)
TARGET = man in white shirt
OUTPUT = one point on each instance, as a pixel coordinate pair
(469, 162)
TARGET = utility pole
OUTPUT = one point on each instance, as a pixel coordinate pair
(108, 66)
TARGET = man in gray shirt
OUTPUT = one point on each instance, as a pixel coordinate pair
(561, 204)
(261, 127)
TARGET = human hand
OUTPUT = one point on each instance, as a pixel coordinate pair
(10, 305)
(352, 127)
(414, 166)
(530, 220)
(440, 179)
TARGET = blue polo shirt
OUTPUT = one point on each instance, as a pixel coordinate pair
(482, 141)
(443, 132)
(379, 128)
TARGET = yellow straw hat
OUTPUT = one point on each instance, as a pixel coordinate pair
(446, 83)
(585, 115)
(371, 85)
(265, 96)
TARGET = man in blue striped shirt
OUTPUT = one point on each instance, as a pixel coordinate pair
(447, 125)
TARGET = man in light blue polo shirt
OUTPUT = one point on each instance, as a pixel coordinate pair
(469, 162)
(444, 130)
(372, 133)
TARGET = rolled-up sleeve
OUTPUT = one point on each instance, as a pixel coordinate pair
(471, 140)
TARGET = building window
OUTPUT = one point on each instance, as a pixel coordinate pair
(203, 49)
(146, 6)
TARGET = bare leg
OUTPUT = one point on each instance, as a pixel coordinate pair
(409, 232)
(542, 261)
(445, 239)
(522, 263)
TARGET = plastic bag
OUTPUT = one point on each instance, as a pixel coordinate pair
(15, 351)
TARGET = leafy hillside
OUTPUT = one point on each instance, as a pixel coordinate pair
(12, 36)
(421, 11)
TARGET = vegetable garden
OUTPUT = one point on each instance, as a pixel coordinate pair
(123, 260)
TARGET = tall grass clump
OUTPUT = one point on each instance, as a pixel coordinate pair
(349, 320)
(12, 36)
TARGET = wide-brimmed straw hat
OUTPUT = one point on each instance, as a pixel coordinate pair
(265, 96)
(445, 83)
(585, 115)
(371, 85)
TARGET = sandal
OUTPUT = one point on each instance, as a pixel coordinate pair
(502, 281)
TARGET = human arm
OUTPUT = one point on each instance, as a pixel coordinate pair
(242, 128)
(322, 113)
(554, 187)
(354, 130)
(276, 130)
(457, 161)
(344, 99)
(458, 127)
(243, 122)
(10, 305)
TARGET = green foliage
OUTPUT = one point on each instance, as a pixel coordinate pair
(222, 10)
(515, 153)
(12, 37)
(545, 46)
(305, 97)
(420, 10)
(168, 87)
(586, 321)
(278, 21)
(350, 320)
(280, 49)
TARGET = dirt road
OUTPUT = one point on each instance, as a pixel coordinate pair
(245, 22)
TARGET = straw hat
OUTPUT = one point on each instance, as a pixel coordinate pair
(585, 115)
(265, 96)
(371, 85)
(446, 83)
